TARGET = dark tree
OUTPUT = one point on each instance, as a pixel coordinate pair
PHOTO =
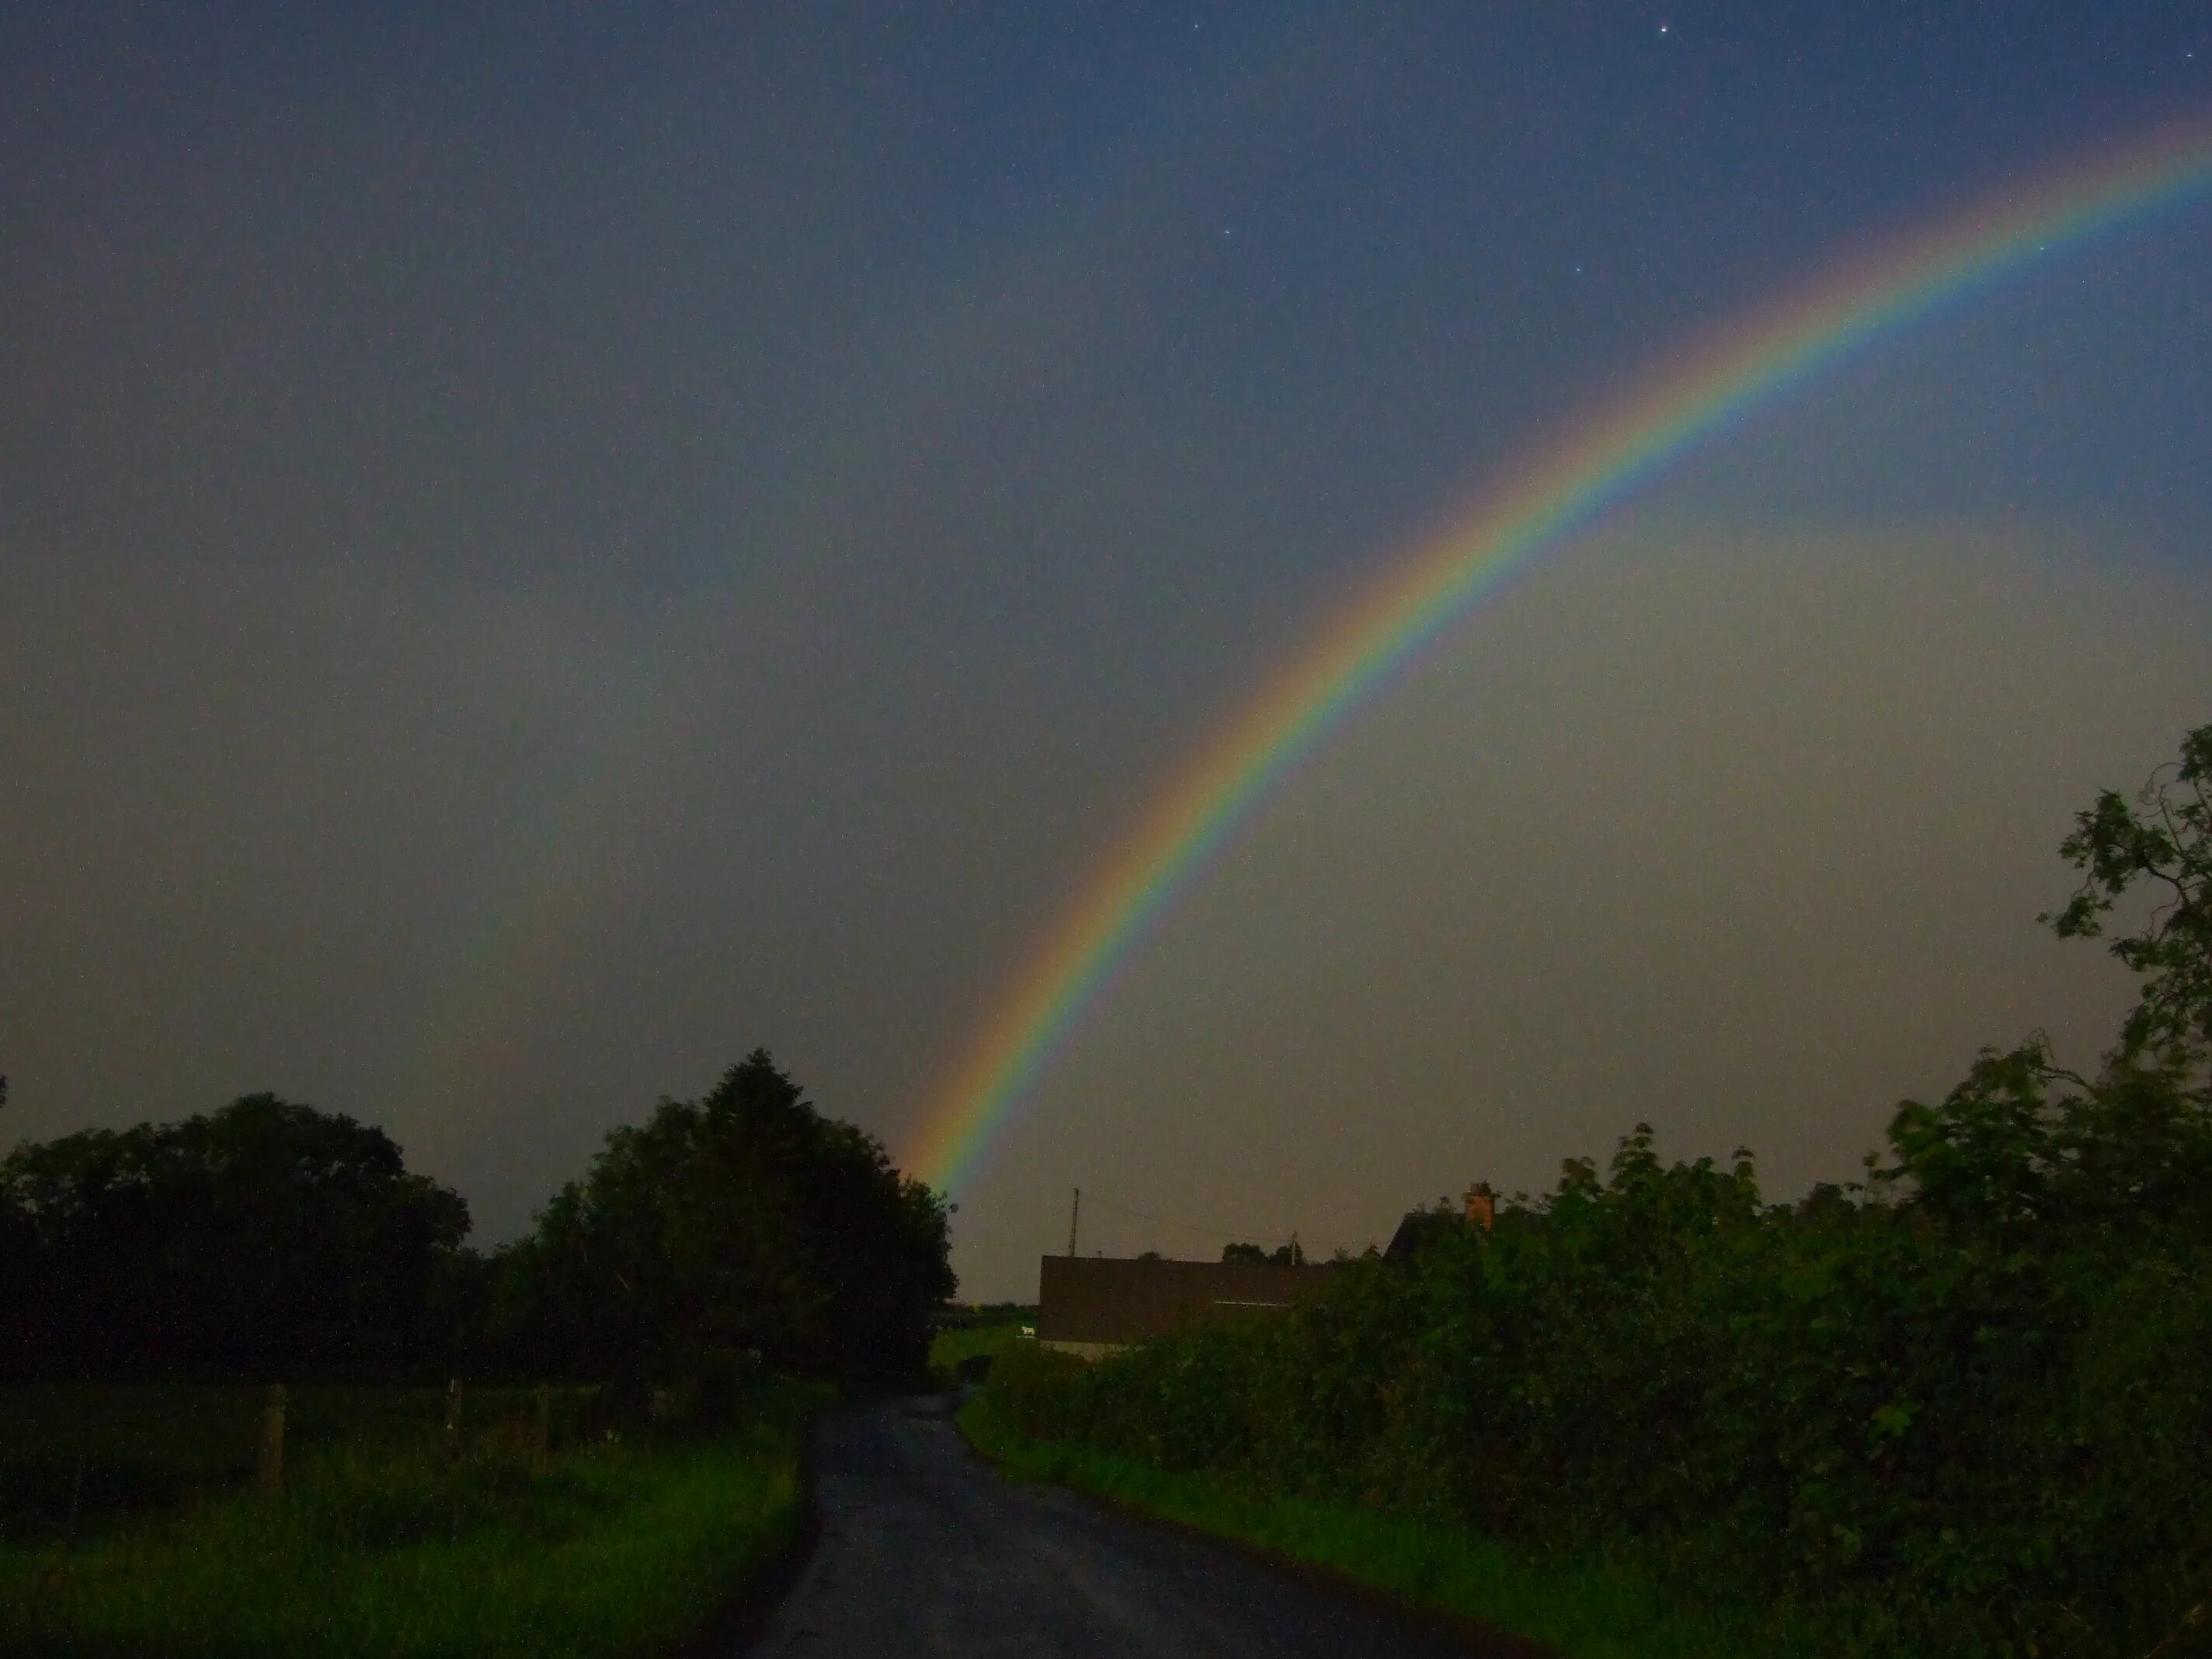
(266, 1239)
(2159, 843)
(2024, 1147)
(743, 1223)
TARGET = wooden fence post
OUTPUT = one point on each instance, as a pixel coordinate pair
(453, 1421)
(272, 1440)
(541, 1442)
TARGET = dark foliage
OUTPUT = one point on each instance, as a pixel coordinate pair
(1963, 1408)
(267, 1239)
(2160, 843)
(1283, 1255)
(743, 1224)
(272, 1240)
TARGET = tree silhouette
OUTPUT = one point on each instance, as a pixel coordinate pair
(746, 1221)
(2161, 841)
(267, 1236)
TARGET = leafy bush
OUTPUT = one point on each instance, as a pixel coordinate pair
(1841, 1400)
(1964, 1407)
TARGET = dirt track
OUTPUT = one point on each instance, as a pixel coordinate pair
(925, 1550)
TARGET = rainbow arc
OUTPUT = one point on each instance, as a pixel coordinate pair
(1548, 496)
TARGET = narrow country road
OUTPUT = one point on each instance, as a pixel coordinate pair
(925, 1550)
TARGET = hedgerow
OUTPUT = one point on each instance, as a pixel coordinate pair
(1963, 1407)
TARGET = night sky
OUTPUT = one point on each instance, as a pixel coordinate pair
(541, 548)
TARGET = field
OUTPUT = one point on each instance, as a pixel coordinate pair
(130, 1524)
(981, 1337)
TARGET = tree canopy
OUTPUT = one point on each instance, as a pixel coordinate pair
(271, 1239)
(1283, 1255)
(2024, 1143)
(742, 1222)
(2161, 843)
(267, 1236)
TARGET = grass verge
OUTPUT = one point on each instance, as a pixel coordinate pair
(956, 1345)
(377, 1548)
(1585, 1610)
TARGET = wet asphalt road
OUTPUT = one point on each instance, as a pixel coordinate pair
(925, 1550)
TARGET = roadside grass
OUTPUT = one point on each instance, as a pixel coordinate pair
(1583, 1609)
(378, 1545)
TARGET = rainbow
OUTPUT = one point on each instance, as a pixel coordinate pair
(1546, 498)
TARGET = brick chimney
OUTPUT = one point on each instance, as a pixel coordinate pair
(1482, 1205)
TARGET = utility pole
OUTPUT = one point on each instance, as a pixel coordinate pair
(1074, 1216)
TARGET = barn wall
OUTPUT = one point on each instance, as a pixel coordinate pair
(1090, 1300)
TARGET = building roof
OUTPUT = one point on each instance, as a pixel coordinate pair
(1420, 1230)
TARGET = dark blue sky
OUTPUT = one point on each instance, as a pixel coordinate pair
(540, 552)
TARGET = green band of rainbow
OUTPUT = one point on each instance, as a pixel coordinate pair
(1544, 498)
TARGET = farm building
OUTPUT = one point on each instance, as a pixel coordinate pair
(1090, 1305)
